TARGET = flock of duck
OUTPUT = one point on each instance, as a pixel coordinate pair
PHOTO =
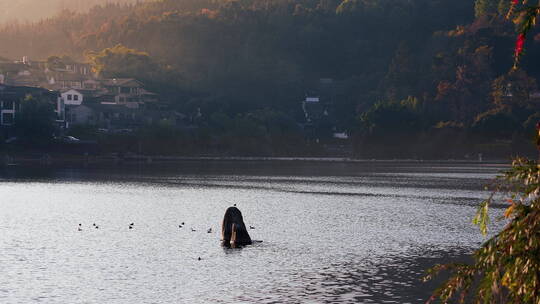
(209, 230)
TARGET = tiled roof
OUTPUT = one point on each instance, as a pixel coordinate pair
(120, 82)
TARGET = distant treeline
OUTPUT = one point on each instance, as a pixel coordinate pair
(34, 10)
(411, 76)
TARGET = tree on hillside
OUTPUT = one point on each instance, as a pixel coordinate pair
(35, 121)
(513, 89)
(392, 125)
(400, 78)
(506, 268)
(489, 7)
(122, 62)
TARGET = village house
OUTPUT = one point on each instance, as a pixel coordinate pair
(12, 96)
(77, 68)
(313, 108)
(129, 92)
(83, 97)
(105, 116)
(72, 97)
(23, 73)
(320, 100)
(319, 110)
(65, 74)
(118, 117)
(62, 81)
(18, 75)
(79, 102)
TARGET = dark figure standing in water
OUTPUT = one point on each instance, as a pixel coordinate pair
(233, 230)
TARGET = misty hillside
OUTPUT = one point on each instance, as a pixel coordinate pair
(413, 72)
(33, 10)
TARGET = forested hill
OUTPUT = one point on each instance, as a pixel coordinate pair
(34, 10)
(334, 37)
(403, 69)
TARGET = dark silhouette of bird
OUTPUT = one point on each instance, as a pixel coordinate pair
(199, 258)
(251, 227)
(180, 226)
(80, 227)
(209, 230)
(193, 230)
(234, 205)
(183, 223)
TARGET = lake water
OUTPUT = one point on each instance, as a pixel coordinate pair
(331, 232)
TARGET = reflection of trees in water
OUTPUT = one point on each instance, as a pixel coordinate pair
(392, 279)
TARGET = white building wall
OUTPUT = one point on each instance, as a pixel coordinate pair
(72, 97)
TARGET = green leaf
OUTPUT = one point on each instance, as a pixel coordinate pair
(481, 219)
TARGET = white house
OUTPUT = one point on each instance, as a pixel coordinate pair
(72, 97)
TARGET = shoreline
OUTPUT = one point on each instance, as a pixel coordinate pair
(47, 160)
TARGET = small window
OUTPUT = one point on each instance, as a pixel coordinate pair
(75, 97)
(70, 97)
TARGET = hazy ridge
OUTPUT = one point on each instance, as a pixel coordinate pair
(394, 73)
(33, 10)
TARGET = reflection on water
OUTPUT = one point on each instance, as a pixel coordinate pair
(347, 233)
